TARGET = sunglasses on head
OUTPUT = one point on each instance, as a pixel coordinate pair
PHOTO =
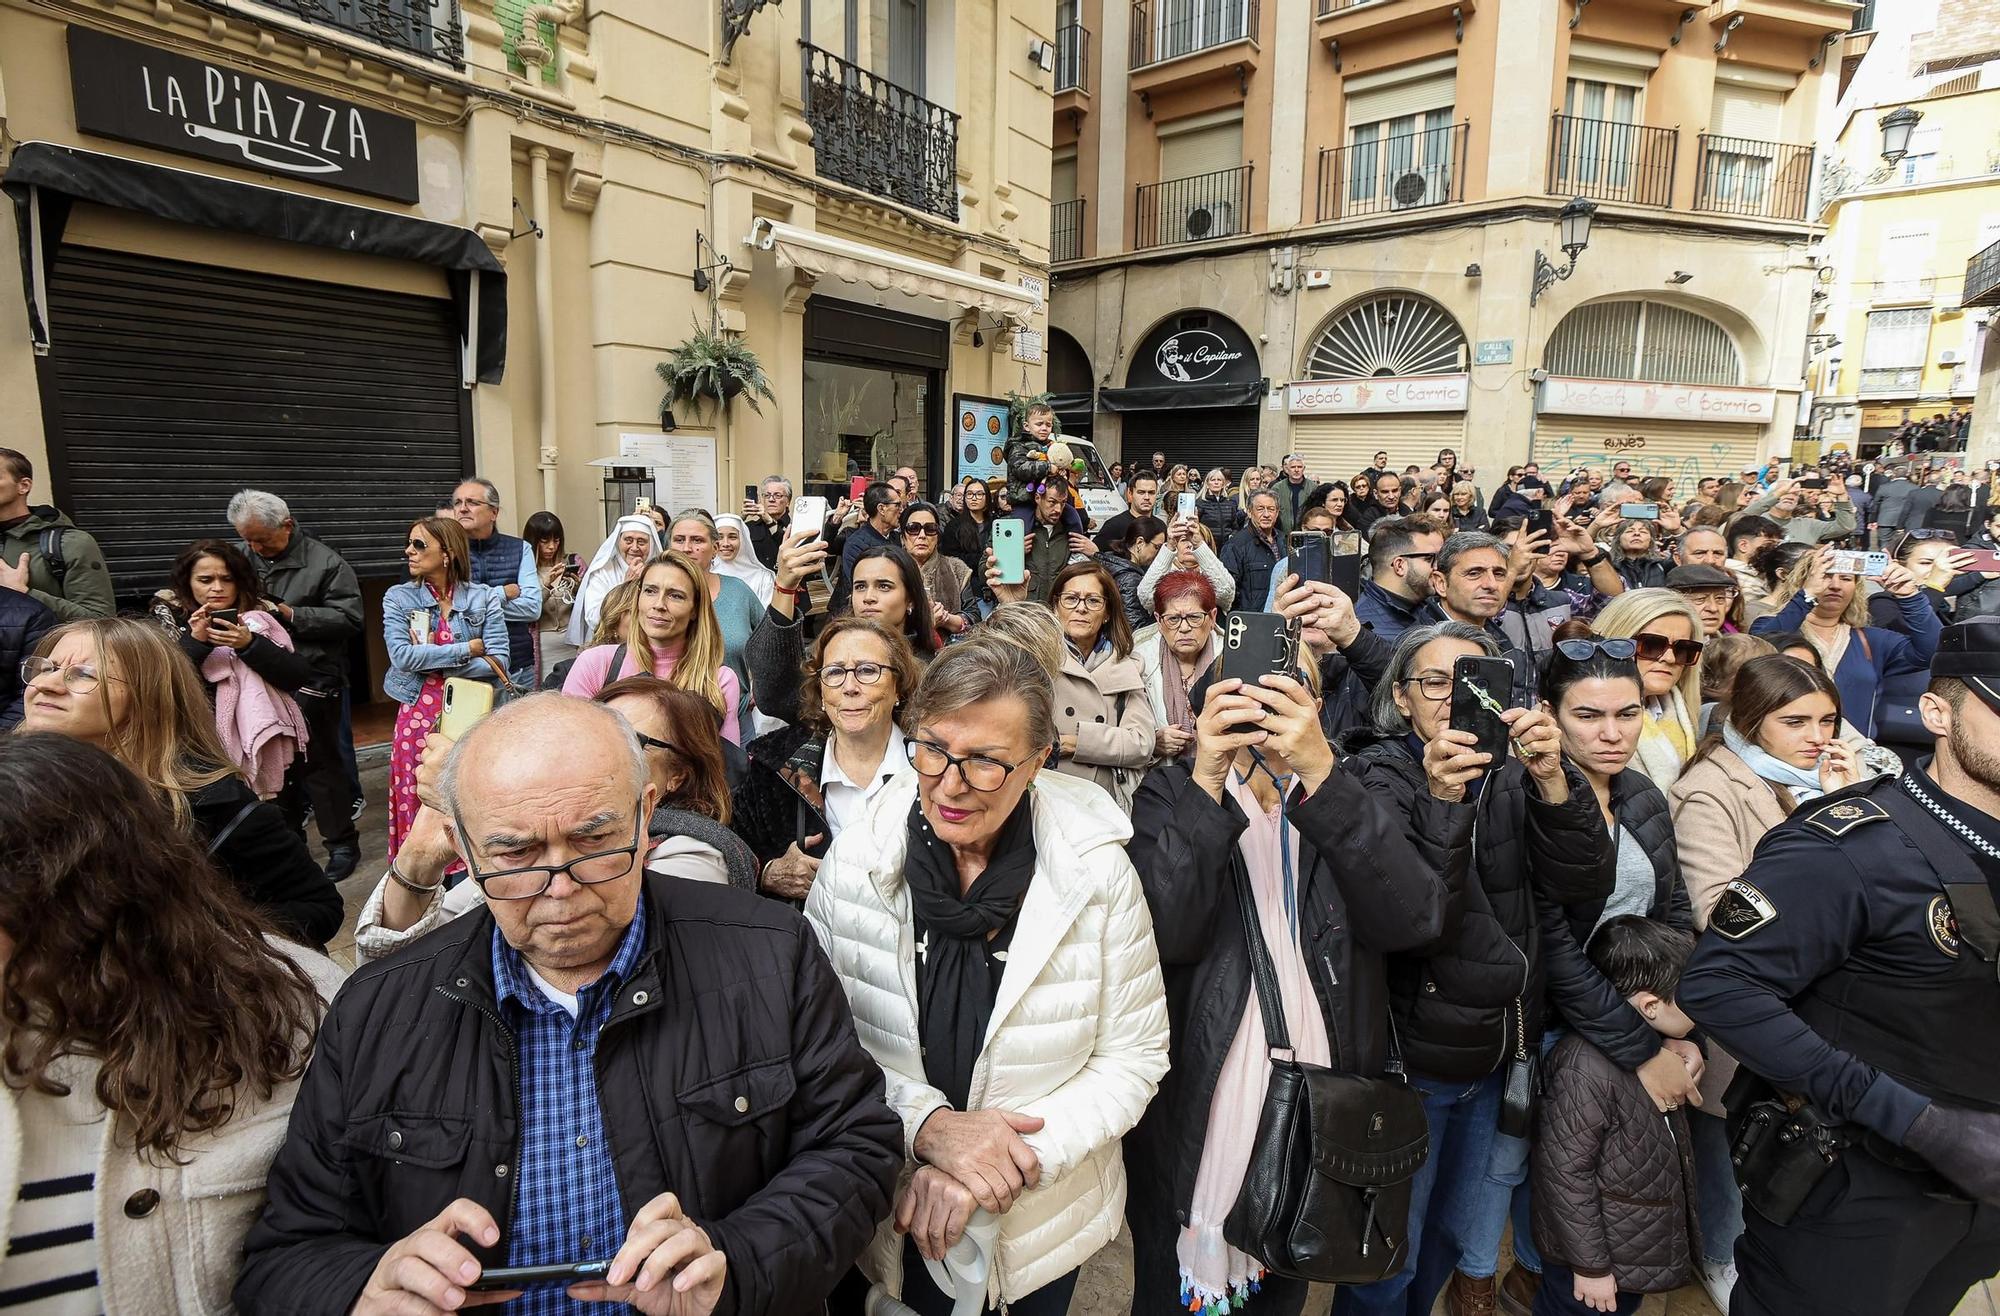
(1652, 648)
(1582, 651)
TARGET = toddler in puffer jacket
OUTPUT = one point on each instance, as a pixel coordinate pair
(1613, 1176)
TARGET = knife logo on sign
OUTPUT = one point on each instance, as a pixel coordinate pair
(301, 162)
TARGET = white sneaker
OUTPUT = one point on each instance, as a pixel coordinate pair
(1720, 1281)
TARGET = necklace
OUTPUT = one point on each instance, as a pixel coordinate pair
(1943, 815)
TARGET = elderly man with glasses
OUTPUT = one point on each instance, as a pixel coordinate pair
(651, 1085)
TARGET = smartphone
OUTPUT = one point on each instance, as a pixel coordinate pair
(1983, 559)
(1309, 556)
(749, 493)
(1343, 564)
(1009, 553)
(1813, 482)
(1184, 506)
(1480, 690)
(642, 504)
(465, 702)
(858, 487)
(1855, 562)
(1639, 511)
(809, 513)
(227, 615)
(1256, 645)
(502, 1278)
(1541, 523)
(420, 626)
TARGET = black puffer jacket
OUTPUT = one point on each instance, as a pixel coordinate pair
(1583, 998)
(268, 861)
(781, 803)
(729, 1073)
(23, 623)
(1453, 1000)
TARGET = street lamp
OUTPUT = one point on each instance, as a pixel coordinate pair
(1574, 223)
(1896, 129)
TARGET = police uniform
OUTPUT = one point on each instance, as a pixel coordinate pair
(1853, 965)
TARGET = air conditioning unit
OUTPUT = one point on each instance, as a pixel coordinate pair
(1414, 190)
(1213, 219)
(1948, 357)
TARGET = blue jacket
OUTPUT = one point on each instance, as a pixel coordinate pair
(1248, 557)
(1872, 653)
(23, 623)
(475, 610)
(1388, 615)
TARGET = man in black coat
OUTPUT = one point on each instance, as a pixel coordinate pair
(598, 1065)
(23, 623)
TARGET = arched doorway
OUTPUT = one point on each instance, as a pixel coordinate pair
(1384, 372)
(1191, 392)
(1072, 385)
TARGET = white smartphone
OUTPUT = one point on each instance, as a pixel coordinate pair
(1184, 507)
(1855, 562)
(808, 513)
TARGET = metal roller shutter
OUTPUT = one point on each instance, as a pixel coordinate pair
(1197, 436)
(175, 385)
(1684, 451)
(1341, 447)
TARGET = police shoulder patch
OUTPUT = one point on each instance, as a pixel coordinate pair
(1741, 911)
(1843, 815)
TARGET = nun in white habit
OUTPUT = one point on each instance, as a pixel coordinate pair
(621, 557)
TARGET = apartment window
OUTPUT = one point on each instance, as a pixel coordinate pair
(1183, 26)
(1743, 128)
(1203, 192)
(1601, 148)
(1643, 340)
(1921, 164)
(1399, 138)
(1205, 148)
(1892, 357)
(1062, 177)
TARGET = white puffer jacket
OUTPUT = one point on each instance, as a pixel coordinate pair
(1079, 1029)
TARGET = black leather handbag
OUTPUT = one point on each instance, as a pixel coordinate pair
(1327, 1195)
(1521, 1087)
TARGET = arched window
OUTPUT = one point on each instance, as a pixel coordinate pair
(1384, 334)
(1643, 340)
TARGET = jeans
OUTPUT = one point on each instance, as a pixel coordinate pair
(1557, 1296)
(1464, 1119)
(1717, 1199)
(524, 680)
(1490, 1200)
(1052, 1299)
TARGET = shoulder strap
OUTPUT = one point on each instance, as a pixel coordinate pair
(215, 842)
(1270, 1002)
(52, 553)
(617, 663)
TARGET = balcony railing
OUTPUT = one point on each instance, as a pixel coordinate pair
(1335, 6)
(1197, 209)
(1917, 288)
(1066, 231)
(1982, 278)
(426, 28)
(1072, 57)
(872, 134)
(1892, 379)
(1611, 161)
(1406, 172)
(1167, 29)
(1742, 176)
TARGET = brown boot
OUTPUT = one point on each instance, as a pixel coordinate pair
(1466, 1296)
(1518, 1289)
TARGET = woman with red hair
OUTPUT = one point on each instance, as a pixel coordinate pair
(1175, 657)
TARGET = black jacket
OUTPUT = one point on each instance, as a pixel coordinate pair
(729, 1073)
(1249, 560)
(319, 587)
(1454, 999)
(966, 540)
(23, 623)
(1223, 516)
(1363, 893)
(284, 669)
(268, 861)
(1127, 578)
(780, 803)
(1583, 998)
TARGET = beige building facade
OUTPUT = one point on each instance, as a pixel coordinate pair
(352, 253)
(1351, 196)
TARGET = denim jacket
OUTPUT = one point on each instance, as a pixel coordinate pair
(475, 610)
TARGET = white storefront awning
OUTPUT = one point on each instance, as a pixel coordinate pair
(821, 255)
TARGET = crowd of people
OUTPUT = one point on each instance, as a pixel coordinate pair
(788, 917)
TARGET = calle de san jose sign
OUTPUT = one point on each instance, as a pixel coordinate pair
(137, 93)
(1624, 400)
(1335, 397)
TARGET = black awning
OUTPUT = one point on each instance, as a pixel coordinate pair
(44, 178)
(1173, 397)
(1073, 404)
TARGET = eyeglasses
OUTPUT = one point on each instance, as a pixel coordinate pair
(1434, 687)
(866, 673)
(1581, 651)
(1652, 648)
(1425, 557)
(650, 742)
(1714, 596)
(584, 870)
(920, 528)
(1080, 602)
(470, 502)
(78, 678)
(1183, 621)
(977, 771)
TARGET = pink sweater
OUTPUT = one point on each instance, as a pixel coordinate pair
(591, 672)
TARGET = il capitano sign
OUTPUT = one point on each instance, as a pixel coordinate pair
(1347, 397)
(1193, 355)
(1629, 400)
(138, 93)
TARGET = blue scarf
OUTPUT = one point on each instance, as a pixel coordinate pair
(1803, 783)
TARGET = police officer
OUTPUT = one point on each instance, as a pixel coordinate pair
(1853, 968)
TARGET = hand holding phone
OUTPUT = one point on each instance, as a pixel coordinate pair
(1480, 689)
(809, 514)
(1010, 551)
(1639, 511)
(465, 702)
(1309, 556)
(519, 1277)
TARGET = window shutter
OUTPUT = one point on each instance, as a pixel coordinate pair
(1752, 112)
(1062, 179)
(1201, 151)
(1430, 84)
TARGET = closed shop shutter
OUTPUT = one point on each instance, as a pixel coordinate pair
(1196, 436)
(1681, 450)
(177, 385)
(1341, 447)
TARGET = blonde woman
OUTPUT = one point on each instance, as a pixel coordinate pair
(1829, 609)
(1667, 630)
(672, 634)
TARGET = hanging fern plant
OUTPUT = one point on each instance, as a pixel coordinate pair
(1017, 409)
(711, 367)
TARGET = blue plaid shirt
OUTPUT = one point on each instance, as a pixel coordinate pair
(566, 1201)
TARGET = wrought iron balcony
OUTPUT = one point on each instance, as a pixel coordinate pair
(1611, 161)
(1743, 176)
(1891, 379)
(426, 28)
(1982, 278)
(1168, 29)
(872, 134)
(1066, 231)
(1406, 172)
(1197, 209)
(1072, 57)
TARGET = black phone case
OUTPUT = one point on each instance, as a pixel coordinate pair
(1257, 644)
(1543, 523)
(1470, 713)
(1309, 556)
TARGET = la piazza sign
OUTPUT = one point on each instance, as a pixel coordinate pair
(1625, 400)
(1337, 397)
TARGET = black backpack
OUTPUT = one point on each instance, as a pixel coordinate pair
(50, 542)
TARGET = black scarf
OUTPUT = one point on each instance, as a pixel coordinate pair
(956, 979)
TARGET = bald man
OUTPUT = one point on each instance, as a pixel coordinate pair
(596, 1066)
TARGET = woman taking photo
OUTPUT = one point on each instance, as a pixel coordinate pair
(1188, 548)
(810, 780)
(122, 686)
(155, 1033)
(1263, 807)
(562, 576)
(1828, 609)
(736, 557)
(944, 576)
(1666, 634)
(1635, 552)
(672, 634)
(437, 624)
(1177, 655)
(633, 542)
(1127, 557)
(1026, 1039)
(1104, 720)
(967, 532)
